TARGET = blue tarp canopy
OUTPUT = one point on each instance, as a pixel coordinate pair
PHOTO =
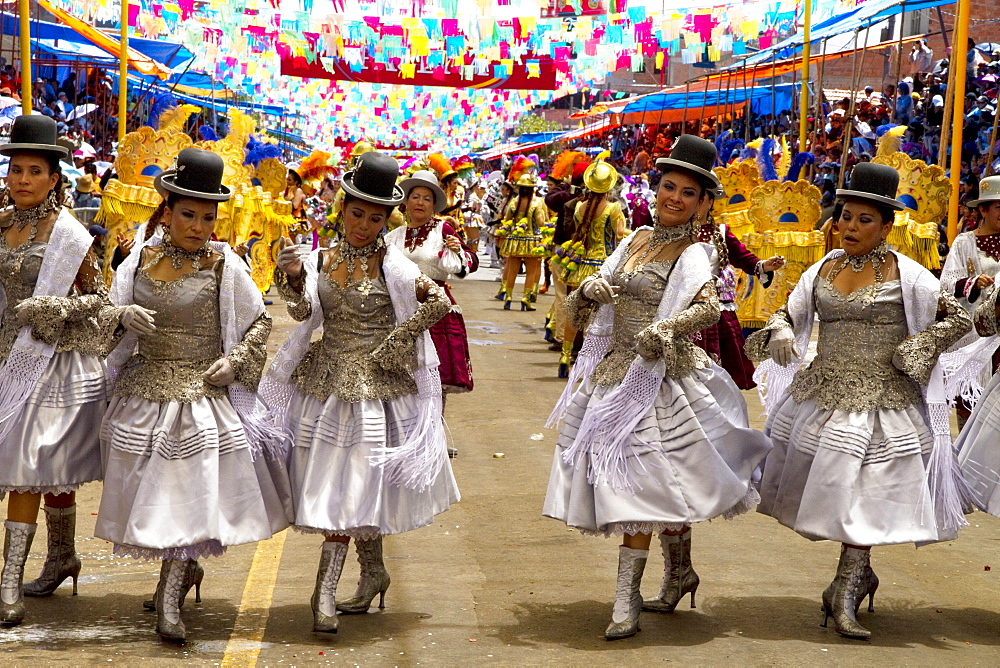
(184, 87)
(760, 97)
(861, 17)
(59, 37)
(532, 137)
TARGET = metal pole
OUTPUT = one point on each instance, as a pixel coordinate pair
(123, 73)
(993, 143)
(944, 33)
(819, 96)
(949, 99)
(24, 9)
(899, 62)
(849, 118)
(958, 64)
(804, 106)
(687, 92)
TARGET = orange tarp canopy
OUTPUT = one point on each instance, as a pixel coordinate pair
(136, 61)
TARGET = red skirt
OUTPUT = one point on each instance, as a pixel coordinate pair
(723, 342)
(452, 344)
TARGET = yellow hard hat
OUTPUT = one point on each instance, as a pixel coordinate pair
(600, 177)
(362, 147)
(527, 181)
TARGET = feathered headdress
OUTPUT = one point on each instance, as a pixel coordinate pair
(521, 166)
(720, 141)
(464, 166)
(765, 161)
(175, 119)
(163, 103)
(562, 169)
(207, 133)
(579, 169)
(890, 139)
(798, 162)
(784, 160)
(440, 165)
(257, 151)
(316, 166)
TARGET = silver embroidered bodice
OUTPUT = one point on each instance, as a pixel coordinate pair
(639, 295)
(340, 363)
(170, 363)
(858, 335)
(19, 269)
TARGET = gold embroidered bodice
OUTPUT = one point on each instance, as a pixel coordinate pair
(858, 335)
(639, 296)
(19, 269)
(341, 362)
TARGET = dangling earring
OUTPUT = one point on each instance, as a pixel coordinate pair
(696, 221)
(52, 201)
(5, 198)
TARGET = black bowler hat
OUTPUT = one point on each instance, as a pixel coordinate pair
(695, 155)
(874, 182)
(34, 133)
(374, 180)
(197, 174)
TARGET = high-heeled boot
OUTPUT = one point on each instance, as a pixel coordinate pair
(870, 587)
(849, 587)
(324, 604)
(374, 578)
(61, 561)
(16, 545)
(679, 577)
(529, 298)
(169, 624)
(628, 598)
(193, 576)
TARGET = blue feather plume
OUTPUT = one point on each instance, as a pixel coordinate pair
(765, 161)
(259, 150)
(207, 133)
(161, 103)
(882, 129)
(798, 162)
(749, 153)
(720, 141)
(727, 149)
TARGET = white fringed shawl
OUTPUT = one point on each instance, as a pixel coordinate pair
(920, 303)
(604, 435)
(418, 461)
(240, 304)
(67, 247)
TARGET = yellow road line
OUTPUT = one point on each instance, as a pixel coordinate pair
(251, 619)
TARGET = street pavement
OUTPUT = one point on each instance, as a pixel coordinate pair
(492, 582)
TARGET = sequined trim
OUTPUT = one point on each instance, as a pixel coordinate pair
(985, 317)
(358, 533)
(323, 373)
(756, 345)
(163, 381)
(249, 355)
(296, 301)
(917, 355)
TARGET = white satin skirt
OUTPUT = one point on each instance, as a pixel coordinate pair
(180, 482)
(856, 478)
(979, 449)
(692, 458)
(55, 446)
(336, 489)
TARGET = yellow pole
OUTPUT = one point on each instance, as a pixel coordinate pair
(958, 62)
(123, 73)
(804, 106)
(24, 9)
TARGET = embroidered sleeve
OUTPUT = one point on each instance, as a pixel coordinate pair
(538, 216)
(248, 356)
(756, 345)
(658, 339)
(579, 309)
(917, 355)
(292, 290)
(985, 316)
(396, 352)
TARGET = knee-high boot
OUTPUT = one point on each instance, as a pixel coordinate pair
(169, 624)
(628, 598)
(679, 577)
(374, 578)
(849, 587)
(324, 604)
(16, 545)
(61, 561)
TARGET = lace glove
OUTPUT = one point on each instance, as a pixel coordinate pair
(289, 260)
(220, 373)
(597, 289)
(656, 341)
(579, 309)
(782, 346)
(757, 346)
(249, 355)
(985, 316)
(137, 319)
(917, 355)
(395, 353)
(299, 308)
